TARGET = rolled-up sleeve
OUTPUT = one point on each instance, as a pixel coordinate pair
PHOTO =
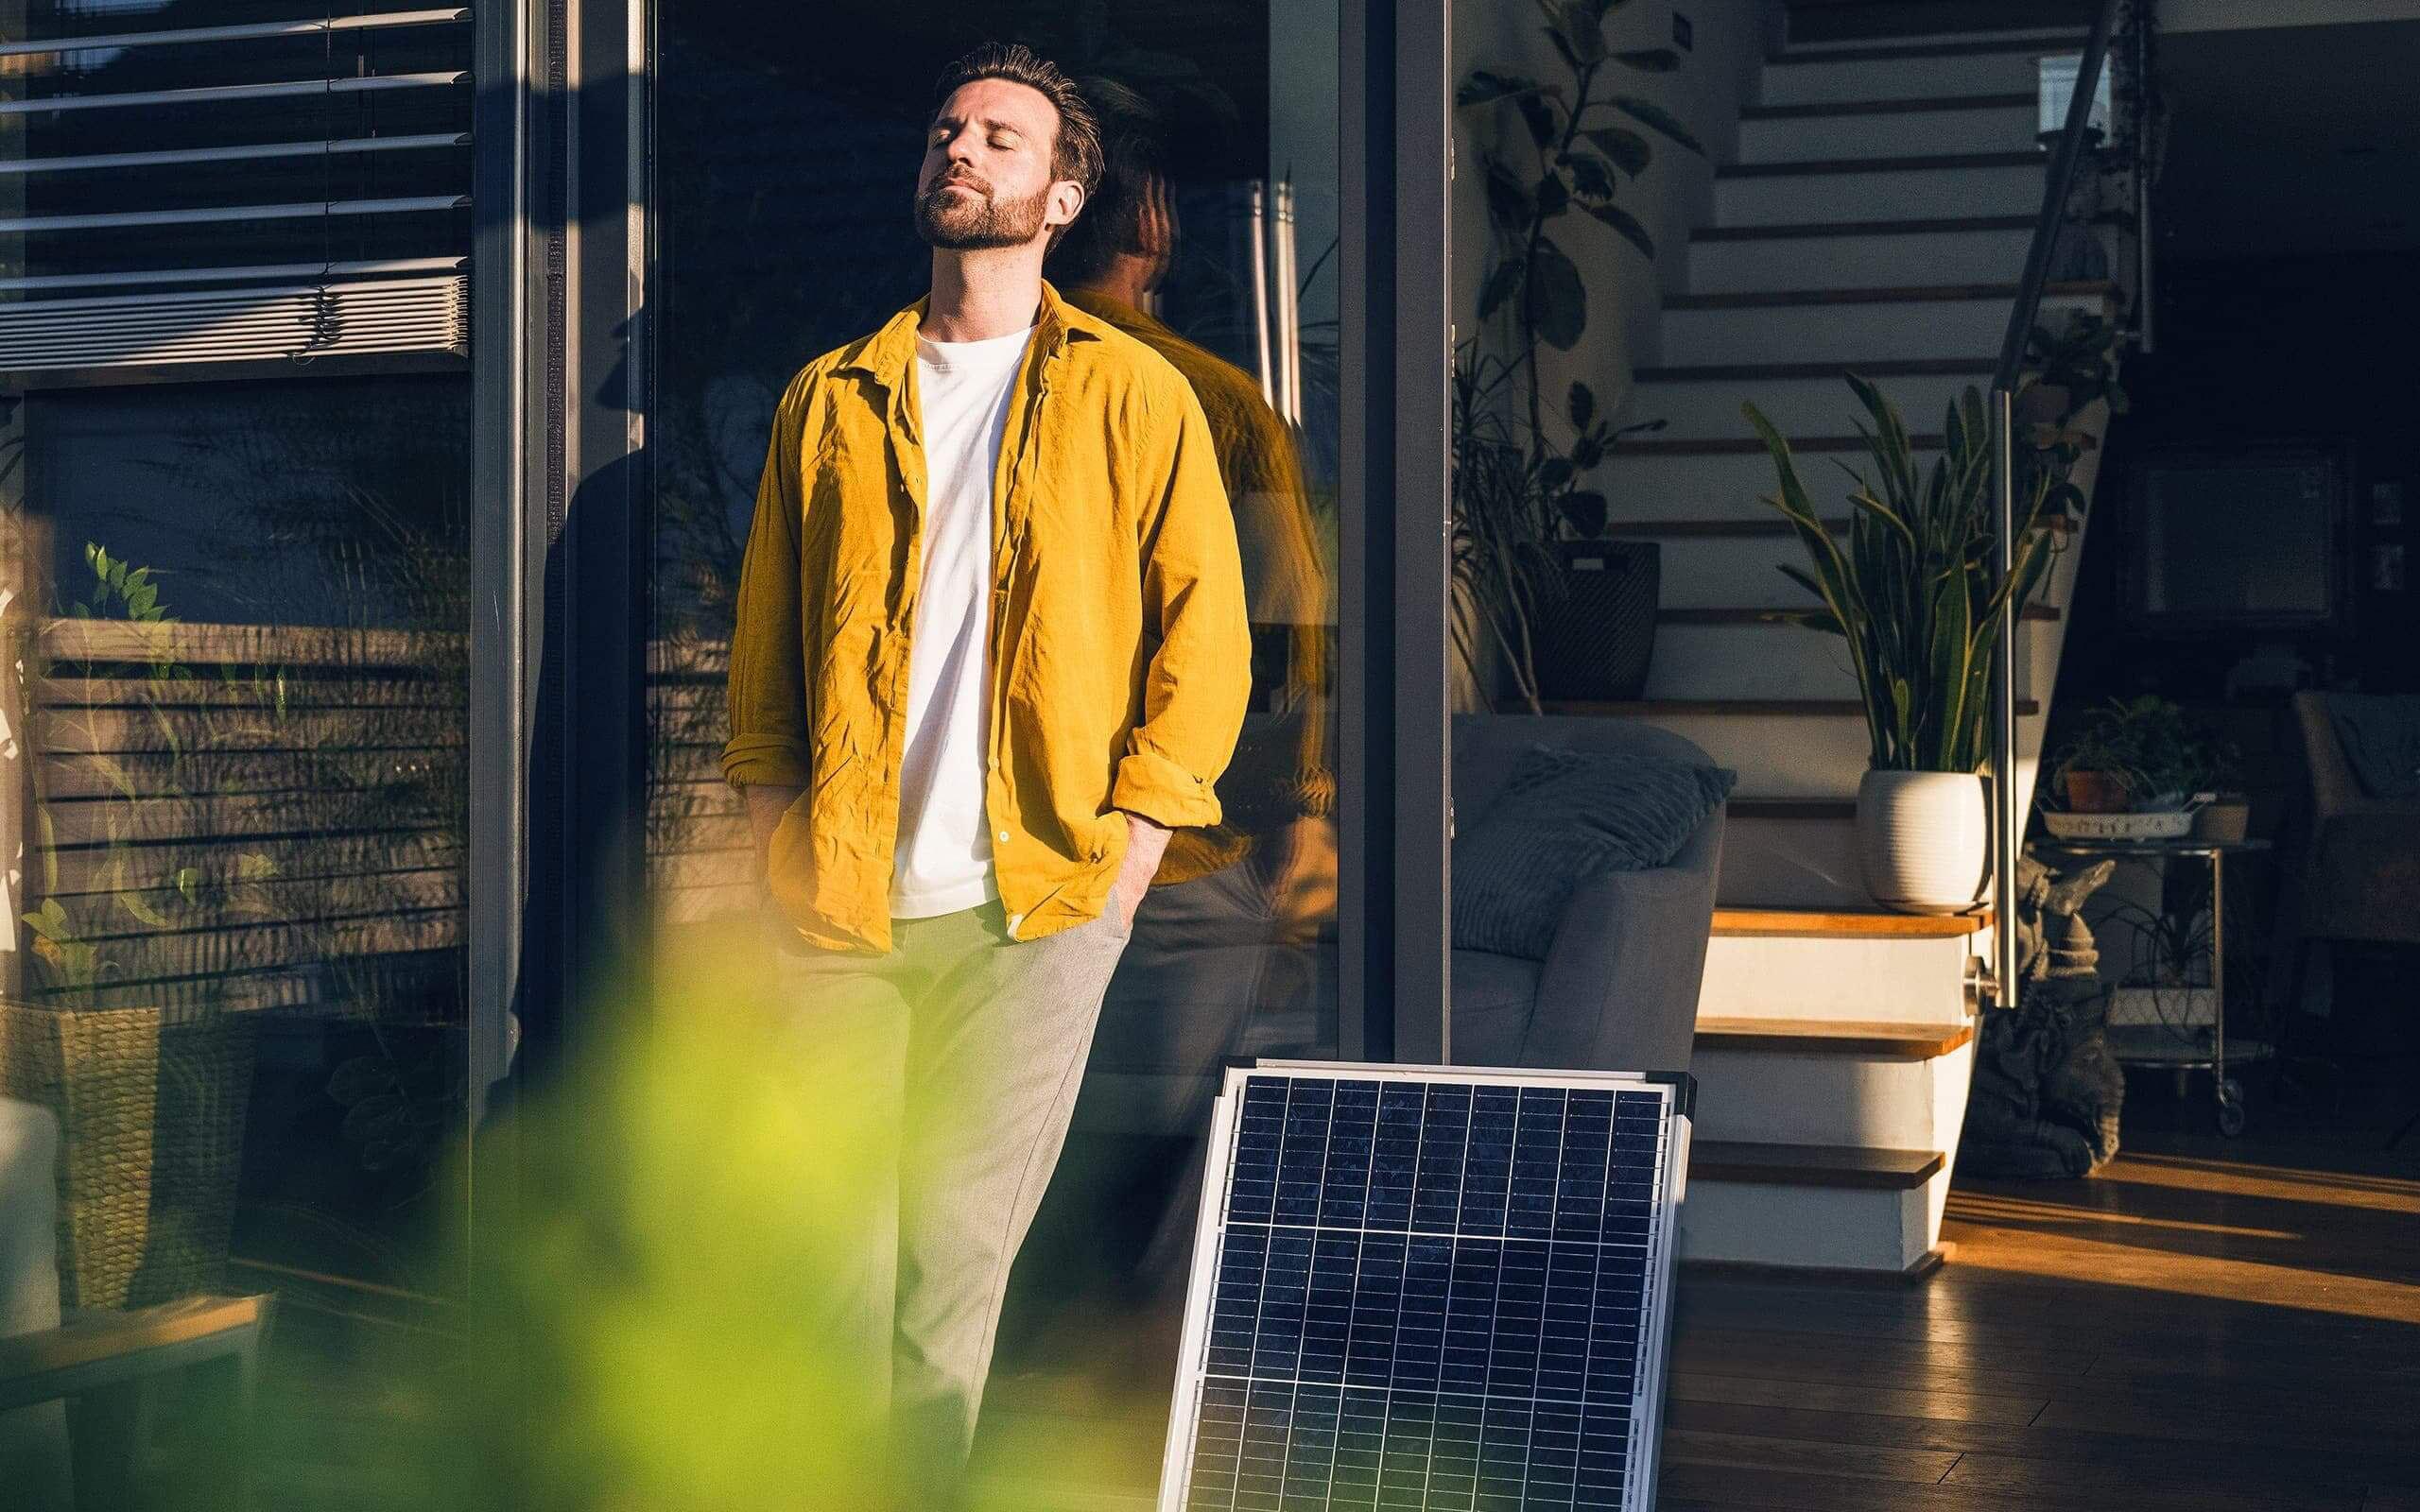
(767, 682)
(1198, 679)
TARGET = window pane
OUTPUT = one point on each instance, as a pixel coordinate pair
(786, 163)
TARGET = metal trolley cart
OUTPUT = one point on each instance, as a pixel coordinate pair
(2186, 1048)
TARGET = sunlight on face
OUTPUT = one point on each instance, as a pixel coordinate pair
(986, 179)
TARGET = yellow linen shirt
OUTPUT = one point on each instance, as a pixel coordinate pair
(1119, 656)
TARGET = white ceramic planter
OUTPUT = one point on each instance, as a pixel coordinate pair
(1924, 840)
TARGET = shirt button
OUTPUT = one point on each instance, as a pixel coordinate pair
(1004, 835)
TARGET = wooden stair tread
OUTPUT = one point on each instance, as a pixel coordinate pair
(1679, 708)
(1772, 524)
(2039, 613)
(1767, 371)
(1889, 1040)
(1901, 106)
(1923, 162)
(2050, 46)
(1813, 1166)
(1861, 228)
(1897, 294)
(1841, 923)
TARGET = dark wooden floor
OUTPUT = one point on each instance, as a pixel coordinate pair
(2221, 1325)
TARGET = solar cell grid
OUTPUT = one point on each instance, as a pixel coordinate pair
(1428, 1292)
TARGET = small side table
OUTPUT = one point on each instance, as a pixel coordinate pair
(2160, 1048)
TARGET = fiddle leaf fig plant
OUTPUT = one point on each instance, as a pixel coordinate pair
(1574, 148)
(1519, 486)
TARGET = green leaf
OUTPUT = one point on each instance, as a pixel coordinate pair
(1482, 86)
(1581, 404)
(1539, 116)
(1501, 285)
(1507, 200)
(1592, 177)
(1563, 46)
(1650, 59)
(1585, 25)
(1553, 195)
(1629, 151)
(1648, 114)
(1626, 223)
(1558, 299)
(1555, 472)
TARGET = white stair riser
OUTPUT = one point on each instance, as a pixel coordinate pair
(1887, 134)
(1892, 980)
(1800, 755)
(1829, 1099)
(1867, 331)
(1780, 755)
(1748, 662)
(1724, 571)
(1814, 1228)
(1743, 572)
(1826, 81)
(1764, 661)
(1721, 266)
(1724, 485)
(1709, 410)
(1790, 863)
(1878, 194)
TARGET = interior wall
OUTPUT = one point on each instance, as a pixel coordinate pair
(1717, 74)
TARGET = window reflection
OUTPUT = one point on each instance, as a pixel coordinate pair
(235, 768)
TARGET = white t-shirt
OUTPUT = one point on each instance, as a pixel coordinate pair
(944, 859)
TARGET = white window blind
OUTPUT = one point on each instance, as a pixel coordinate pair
(264, 191)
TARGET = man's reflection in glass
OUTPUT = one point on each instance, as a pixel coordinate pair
(1222, 957)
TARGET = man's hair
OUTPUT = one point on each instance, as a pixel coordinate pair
(1076, 152)
(1132, 157)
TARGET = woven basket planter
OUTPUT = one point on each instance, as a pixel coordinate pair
(151, 1108)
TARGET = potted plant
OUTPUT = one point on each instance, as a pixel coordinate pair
(149, 1084)
(1572, 609)
(1913, 590)
(2140, 755)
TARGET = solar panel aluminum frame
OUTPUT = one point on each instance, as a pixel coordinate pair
(1677, 1092)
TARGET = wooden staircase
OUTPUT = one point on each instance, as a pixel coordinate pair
(1877, 219)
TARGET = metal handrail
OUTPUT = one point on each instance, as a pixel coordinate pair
(2008, 823)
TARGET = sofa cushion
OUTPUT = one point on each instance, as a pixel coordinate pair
(1563, 817)
(2381, 739)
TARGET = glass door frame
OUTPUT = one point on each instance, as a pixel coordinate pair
(561, 271)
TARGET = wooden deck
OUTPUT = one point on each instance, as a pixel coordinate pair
(2216, 1326)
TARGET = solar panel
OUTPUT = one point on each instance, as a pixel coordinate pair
(1428, 1288)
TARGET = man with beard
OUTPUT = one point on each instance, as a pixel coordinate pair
(991, 649)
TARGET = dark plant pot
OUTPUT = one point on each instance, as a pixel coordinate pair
(2099, 792)
(1596, 637)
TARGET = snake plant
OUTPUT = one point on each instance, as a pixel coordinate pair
(1913, 586)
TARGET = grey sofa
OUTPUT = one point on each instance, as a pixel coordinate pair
(1617, 989)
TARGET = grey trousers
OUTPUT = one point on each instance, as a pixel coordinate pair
(979, 1042)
